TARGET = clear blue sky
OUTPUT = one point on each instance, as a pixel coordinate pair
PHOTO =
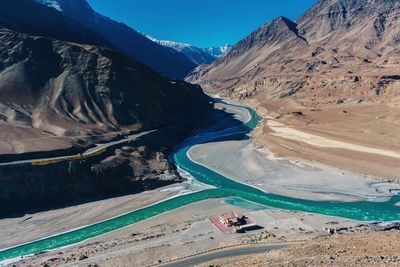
(200, 22)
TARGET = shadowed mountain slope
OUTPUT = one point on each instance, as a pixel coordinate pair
(164, 60)
(27, 16)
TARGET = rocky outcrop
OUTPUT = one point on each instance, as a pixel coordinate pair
(314, 90)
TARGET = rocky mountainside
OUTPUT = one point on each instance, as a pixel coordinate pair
(199, 56)
(65, 89)
(338, 49)
(60, 97)
(164, 60)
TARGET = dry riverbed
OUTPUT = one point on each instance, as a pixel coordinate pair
(255, 165)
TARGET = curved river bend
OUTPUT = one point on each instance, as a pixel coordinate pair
(224, 187)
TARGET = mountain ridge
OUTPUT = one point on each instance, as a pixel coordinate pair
(196, 55)
(17, 15)
(65, 88)
(334, 38)
(165, 61)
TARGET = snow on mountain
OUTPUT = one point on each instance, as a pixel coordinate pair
(123, 37)
(51, 3)
(219, 50)
(198, 55)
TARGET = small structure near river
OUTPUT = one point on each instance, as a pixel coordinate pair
(233, 223)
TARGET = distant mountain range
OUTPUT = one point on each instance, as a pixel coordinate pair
(166, 61)
(197, 55)
(353, 45)
(172, 59)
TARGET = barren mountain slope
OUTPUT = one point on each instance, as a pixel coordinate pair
(338, 62)
(51, 88)
(58, 98)
(350, 44)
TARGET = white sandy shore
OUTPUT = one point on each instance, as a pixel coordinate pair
(239, 113)
(286, 132)
(240, 161)
(31, 227)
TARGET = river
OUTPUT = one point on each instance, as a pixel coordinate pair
(223, 187)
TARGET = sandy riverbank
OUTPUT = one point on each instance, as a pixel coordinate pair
(187, 231)
(242, 162)
(358, 138)
(30, 227)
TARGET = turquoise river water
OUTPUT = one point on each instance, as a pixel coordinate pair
(224, 188)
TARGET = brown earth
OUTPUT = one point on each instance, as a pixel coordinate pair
(360, 138)
(361, 249)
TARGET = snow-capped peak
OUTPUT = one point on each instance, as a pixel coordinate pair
(68, 7)
(167, 43)
(51, 3)
(219, 50)
(196, 54)
(150, 37)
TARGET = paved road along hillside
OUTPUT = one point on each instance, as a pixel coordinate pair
(97, 150)
(232, 252)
